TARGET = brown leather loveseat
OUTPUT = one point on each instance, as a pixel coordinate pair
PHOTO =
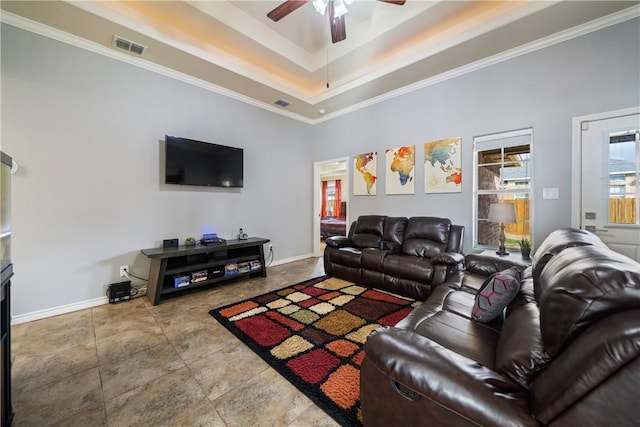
(564, 352)
(407, 256)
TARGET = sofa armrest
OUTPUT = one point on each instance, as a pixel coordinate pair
(449, 258)
(445, 265)
(338, 241)
(487, 265)
(406, 379)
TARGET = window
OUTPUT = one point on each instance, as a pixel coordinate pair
(624, 175)
(502, 173)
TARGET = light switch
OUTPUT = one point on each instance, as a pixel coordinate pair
(550, 193)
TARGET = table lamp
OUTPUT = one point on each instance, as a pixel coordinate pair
(502, 212)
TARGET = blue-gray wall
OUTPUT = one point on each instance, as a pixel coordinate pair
(543, 90)
(86, 130)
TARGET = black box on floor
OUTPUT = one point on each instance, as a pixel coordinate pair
(120, 291)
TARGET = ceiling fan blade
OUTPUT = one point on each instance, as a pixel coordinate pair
(338, 27)
(398, 2)
(285, 8)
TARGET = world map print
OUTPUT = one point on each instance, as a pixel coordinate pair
(442, 166)
(400, 169)
(365, 174)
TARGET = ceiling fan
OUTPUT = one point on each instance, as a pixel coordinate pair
(337, 10)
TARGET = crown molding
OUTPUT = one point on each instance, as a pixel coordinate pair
(70, 39)
(75, 41)
(560, 37)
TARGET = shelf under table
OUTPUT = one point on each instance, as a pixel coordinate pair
(166, 263)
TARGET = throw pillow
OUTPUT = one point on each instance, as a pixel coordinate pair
(495, 294)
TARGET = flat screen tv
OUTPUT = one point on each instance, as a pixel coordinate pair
(190, 162)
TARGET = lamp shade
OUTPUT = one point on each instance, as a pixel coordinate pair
(502, 212)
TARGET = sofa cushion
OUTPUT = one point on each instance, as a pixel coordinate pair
(581, 286)
(368, 231)
(595, 378)
(555, 243)
(525, 294)
(409, 267)
(470, 282)
(394, 232)
(495, 294)
(426, 236)
(372, 259)
(520, 353)
(445, 317)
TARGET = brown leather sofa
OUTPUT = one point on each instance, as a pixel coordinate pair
(407, 256)
(566, 351)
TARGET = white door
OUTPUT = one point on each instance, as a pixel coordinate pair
(320, 169)
(610, 181)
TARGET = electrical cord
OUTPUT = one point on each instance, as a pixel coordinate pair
(130, 275)
(270, 257)
(137, 290)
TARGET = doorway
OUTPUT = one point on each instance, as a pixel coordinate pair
(330, 200)
(606, 178)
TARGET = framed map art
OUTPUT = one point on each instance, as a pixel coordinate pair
(365, 174)
(442, 166)
(400, 167)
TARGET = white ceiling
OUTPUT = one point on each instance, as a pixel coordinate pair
(231, 47)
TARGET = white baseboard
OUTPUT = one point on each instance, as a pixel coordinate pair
(55, 311)
(69, 308)
(287, 260)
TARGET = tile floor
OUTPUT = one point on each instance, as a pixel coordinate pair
(133, 364)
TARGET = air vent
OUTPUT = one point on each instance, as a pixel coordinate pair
(129, 46)
(282, 103)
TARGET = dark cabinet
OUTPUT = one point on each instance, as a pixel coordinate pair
(5, 352)
(176, 269)
(6, 271)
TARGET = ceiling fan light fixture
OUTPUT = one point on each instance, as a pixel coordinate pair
(320, 6)
(340, 8)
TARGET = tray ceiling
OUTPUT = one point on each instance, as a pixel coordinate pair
(231, 47)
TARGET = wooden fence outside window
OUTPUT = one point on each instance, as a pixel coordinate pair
(623, 210)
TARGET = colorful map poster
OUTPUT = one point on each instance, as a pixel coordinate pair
(400, 169)
(365, 174)
(442, 166)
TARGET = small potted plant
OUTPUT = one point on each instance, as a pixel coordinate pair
(190, 241)
(525, 248)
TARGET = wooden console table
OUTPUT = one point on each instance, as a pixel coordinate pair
(185, 267)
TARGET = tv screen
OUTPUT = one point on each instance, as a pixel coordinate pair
(190, 162)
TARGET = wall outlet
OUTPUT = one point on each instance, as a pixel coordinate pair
(122, 270)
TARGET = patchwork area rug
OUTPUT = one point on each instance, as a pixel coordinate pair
(312, 333)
